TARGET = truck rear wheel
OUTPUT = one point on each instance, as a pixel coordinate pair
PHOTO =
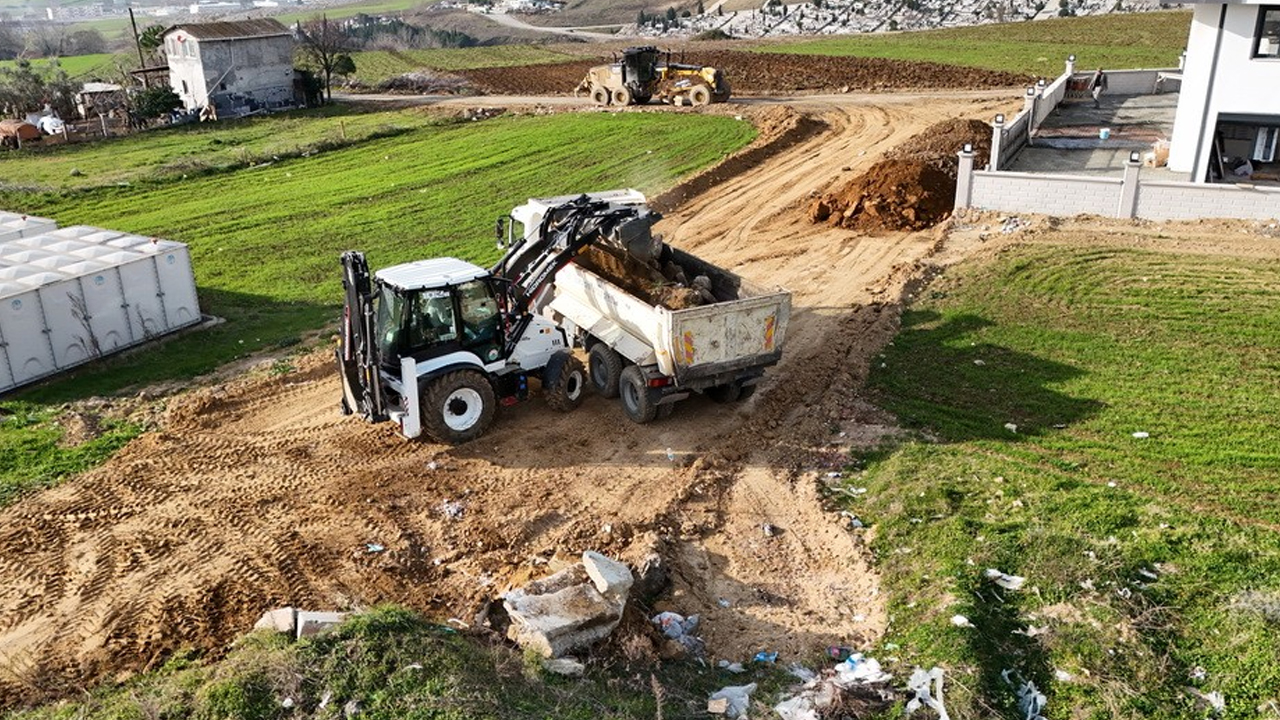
(458, 406)
(564, 381)
(606, 369)
(724, 393)
(635, 396)
(600, 96)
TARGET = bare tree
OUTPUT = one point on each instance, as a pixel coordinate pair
(47, 39)
(324, 44)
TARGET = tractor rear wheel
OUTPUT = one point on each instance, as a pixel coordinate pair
(622, 96)
(605, 365)
(600, 96)
(635, 396)
(564, 382)
(700, 95)
(458, 407)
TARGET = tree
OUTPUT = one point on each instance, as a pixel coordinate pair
(671, 14)
(322, 42)
(155, 102)
(343, 65)
(11, 41)
(152, 41)
(47, 39)
(85, 42)
(25, 88)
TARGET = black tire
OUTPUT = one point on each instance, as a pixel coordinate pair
(727, 393)
(605, 365)
(600, 96)
(458, 407)
(622, 96)
(635, 396)
(746, 392)
(700, 95)
(643, 99)
(564, 382)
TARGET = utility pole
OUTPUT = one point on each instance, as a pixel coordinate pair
(137, 42)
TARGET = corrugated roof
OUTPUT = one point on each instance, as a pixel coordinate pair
(259, 27)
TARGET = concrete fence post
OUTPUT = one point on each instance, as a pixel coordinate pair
(964, 179)
(1032, 105)
(1071, 66)
(1129, 188)
(997, 142)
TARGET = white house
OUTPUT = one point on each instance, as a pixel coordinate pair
(236, 67)
(1229, 109)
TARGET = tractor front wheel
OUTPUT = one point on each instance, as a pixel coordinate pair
(622, 96)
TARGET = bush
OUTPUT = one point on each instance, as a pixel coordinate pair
(154, 102)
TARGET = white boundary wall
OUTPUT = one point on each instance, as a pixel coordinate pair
(1125, 197)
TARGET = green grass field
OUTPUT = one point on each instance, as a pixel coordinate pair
(1152, 564)
(76, 66)
(375, 66)
(1140, 40)
(265, 239)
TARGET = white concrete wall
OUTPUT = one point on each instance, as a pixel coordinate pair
(1242, 84)
(258, 67)
(1188, 201)
(1048, 194)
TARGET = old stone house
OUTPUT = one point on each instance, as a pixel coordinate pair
(236, 67)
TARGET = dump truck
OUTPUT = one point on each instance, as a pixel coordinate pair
(436, 345)
(642, 74)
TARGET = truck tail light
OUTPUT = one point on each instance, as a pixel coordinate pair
(659, 382)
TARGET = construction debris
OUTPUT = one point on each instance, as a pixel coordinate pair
(732, 701)
(571, 609)
(1008, 582)
(299, 623)
(680, 629)
(857, 680)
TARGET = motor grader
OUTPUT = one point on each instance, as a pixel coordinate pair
(638, 77)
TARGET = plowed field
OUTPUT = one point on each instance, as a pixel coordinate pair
(258, 493)
(766, 73)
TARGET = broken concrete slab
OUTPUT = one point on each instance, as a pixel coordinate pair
(612, 578)
(313, 623)
(281, 620)
(567, 610)
(567, 666)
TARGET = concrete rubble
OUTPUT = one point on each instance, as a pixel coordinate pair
(571, 609)
(299, 623)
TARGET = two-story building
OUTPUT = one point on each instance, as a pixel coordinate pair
(236, 67)
(1228, 118)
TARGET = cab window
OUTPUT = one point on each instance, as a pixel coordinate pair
(390, 314)
(431, 319)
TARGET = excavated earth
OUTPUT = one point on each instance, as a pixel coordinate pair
(755, 73)
(256, 493)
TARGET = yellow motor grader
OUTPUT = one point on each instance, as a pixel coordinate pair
(638, 77)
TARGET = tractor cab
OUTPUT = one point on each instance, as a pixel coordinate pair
(431, 308)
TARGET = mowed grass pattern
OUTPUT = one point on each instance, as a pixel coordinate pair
(1152, 564)
(1039, 48)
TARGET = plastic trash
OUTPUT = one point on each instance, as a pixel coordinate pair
(373, 548)
(801, 673)
(1004, 580)
(1214, 701)
(838, 653)
(1011, 427)
(1142, 435)
(961, 621)
(765, 656)
(800, 707)
(681, 629)
(671, 455)
(926, 689)
(451, 509)
(860, 670)
(1031, 701)
(737, 699)
(731, 667)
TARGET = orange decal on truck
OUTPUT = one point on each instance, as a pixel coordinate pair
(688, 347)
(770, 324)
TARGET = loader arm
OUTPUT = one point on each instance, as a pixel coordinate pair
(358, 356)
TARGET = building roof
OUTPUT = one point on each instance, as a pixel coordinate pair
(232, 30)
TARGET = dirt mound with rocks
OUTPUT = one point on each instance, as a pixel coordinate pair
(912, 188)
(750, 72)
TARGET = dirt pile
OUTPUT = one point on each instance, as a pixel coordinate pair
(750, 72)
(667, 284)
(912, 188)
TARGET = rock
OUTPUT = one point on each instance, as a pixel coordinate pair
(313, 623)
(281, 620)
(612, 578)
(651, 578)
(569, 667)
(571, 609)
(719, 706)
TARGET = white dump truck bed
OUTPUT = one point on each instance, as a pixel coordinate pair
(697, 346)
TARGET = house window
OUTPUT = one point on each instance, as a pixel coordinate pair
(1267, 38)
(185, 91)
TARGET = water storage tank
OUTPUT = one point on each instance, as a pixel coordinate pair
(70, 295)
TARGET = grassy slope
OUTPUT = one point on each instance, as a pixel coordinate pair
(1142, 40)
(76, 66)
(377, 65)
(265, 241)
(1081, 348)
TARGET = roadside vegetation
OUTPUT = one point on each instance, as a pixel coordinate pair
(1152, 561)
(267, 261)
(1139, 40)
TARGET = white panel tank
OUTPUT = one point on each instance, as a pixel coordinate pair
(73, 294)
(14, 226)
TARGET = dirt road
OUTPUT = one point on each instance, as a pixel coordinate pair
(258, 494)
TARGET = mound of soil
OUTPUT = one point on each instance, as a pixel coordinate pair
(750, 72)
(657, 286)
(912, 188)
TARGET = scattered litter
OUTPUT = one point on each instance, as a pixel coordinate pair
(979, 363)
(324, 701)
(802, 673)
(1012, 225)
(1198, 673)
(1004, 580)
(839, 654)
(854, 520)
(834, 473)
(671, 455)
(769, 530)
(1062, 676)
(1031, 701)
(432, 465)
(1111, 483)
(566, 666)
(765, 656)
(961, 621)
(1214, 701)
(723, 603)
(413, 666)
(606, 528)
(1142, 435)
(1033, 631)
(287, 703)
(892, 646)
(731, 701)
(735, 667)
(451, 509)
(926, 686)
(1148, 574)
(860, 670)
(373, 548)
(680, 628)
(800, 707)
(1011, 427)
(351, 709)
